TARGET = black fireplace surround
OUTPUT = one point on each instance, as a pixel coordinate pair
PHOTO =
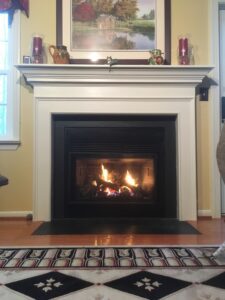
(113, 166)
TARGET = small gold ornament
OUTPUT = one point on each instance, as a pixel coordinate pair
(156, 57)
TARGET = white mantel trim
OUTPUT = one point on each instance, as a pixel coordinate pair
(96, 89)
(36, 74)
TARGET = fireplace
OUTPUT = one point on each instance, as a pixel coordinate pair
(114, 166)
(140, 93)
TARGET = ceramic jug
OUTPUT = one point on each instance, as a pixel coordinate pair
(59, 54)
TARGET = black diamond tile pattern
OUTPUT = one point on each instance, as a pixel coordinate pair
(217, 281)
(143, 284)
(148, 285)
(48, 286)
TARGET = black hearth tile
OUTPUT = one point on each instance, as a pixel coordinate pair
(116, 226)
(48, 286)
(217, 281)
(148, 285)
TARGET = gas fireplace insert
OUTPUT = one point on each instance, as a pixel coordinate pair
(113, 166)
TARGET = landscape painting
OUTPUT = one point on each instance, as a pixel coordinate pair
(113, 25)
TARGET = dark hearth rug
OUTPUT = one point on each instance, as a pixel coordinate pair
(124, 226)
(106, 273)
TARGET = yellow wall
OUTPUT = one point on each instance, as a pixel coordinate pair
(189, 18)
(17, 165)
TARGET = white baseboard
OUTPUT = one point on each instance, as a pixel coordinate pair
(22, 214)
(204, 213)
(15, 214)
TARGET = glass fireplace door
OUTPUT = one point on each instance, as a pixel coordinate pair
(114, 179)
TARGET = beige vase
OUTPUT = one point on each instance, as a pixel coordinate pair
(59, 54)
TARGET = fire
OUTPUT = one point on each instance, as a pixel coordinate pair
(105, 175)
(130, 180)
(111, 192)
(125, 188)
(113, 187)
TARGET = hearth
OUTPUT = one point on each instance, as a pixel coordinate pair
(113, 166)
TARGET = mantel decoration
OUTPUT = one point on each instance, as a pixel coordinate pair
(10, 6)
(126, 31)
(183, 51)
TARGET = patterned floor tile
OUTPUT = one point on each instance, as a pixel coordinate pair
(8, 294)
(48, 286)
(99, 293)
(197, 292)
(217, 281)
(205, 292)
(7, 276)
(111, 284)
(188, 274)
(99, 275)
(148, 285)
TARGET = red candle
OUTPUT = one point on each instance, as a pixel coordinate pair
(183, 46)
(37, 45)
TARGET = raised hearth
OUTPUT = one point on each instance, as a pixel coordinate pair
(121, 90)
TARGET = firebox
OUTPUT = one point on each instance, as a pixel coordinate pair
(113, 166)
(114, 179)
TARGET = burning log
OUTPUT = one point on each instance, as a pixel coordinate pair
(113, 185)
(106, 184)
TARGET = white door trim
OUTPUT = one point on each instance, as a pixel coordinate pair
(215, 105)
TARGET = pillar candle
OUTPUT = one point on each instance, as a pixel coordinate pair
(183, 46)
(37, 45)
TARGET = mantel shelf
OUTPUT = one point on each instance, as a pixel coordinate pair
(145, 74)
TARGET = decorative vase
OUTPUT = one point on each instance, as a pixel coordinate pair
(59, 54)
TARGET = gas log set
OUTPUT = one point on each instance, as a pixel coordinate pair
(116, 182)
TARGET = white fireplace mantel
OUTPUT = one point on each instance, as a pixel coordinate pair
(45, 74)
(121, 89)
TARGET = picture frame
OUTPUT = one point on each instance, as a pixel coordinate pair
(65, 28)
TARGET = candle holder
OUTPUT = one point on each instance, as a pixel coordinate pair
(37, 50)
(183, 55)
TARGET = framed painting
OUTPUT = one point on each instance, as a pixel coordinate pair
(126, 30)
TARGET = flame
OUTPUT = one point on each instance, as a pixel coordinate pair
(107, 191)
(94, 183)
(111, 192)
(115, 191)
(105, 175)
(130, 180)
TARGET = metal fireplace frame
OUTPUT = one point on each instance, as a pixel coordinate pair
(113, 136)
